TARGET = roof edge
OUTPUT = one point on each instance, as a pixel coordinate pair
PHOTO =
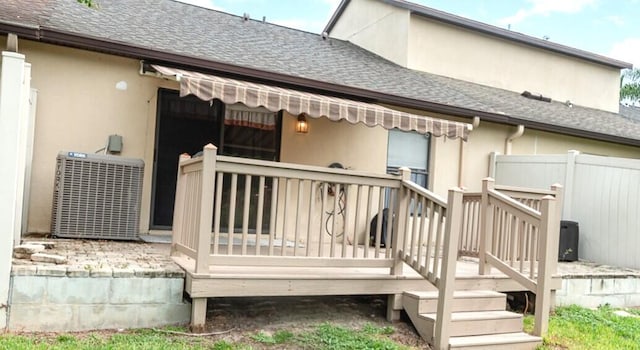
(492, 30)
(53, 36)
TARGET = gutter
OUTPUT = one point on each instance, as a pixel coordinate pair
(58, 37)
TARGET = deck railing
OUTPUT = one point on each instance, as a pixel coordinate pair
(521, 242)
(469, 242)
(235, 211)
(245, 212)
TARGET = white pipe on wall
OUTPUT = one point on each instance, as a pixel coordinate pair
(509, 141)
(474, 124)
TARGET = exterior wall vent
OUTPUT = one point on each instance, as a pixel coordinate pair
(97, 196)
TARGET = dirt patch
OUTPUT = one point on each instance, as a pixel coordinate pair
(248, 316)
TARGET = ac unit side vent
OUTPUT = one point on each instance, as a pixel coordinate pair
(97, 196)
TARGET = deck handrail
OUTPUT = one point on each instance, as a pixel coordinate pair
(313, 214)
(432, 227)
(521, 242)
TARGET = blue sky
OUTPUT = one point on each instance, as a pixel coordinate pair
(607, 27)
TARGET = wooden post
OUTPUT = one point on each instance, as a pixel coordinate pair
(402, 206)
(178, 207)
(486, 226)
(203, 242)
(550, 226)
(446, 286)
(555, 235)
(394, 301)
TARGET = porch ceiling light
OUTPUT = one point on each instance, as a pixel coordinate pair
(302, 127)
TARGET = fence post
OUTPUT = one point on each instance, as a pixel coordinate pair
(177, 226)
(203, 244)
(549, 227)
(446, 285)
(486, 226)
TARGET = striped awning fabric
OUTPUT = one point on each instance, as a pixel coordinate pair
(208, 87)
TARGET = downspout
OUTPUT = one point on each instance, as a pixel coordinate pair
(474, 124)
(509, 141)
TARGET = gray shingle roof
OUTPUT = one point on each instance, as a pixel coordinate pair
(182, 29)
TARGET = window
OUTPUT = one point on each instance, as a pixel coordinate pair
(411, 150)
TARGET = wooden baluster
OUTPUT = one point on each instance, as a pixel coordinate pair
(389, 233)
(285, 225)
(325, 193)
(232, 213)
(357, 221)
(177, 234)
(414, 228)
(259, 214)
(379, 222)
(273, 219)
(298, 218)
(345, 210)
(334, 221)
(367, 235)
(217, 216)
(245, 213)
(312, 210)
(440, 232)
(430, 233)
(423, 219)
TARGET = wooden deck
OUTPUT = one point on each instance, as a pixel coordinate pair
(242, 281)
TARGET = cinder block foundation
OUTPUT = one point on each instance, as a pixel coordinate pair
(56, 301)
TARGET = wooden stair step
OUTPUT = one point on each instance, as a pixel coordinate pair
(479, 322)
(427, 302)
(504, 341)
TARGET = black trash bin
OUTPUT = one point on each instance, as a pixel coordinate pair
(569, 239)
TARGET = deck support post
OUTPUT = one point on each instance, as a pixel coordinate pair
(394, 306)
(198, 314)
(486, 226)
(549, 227)
(447, 281)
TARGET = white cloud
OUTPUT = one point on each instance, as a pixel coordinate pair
(545, 8)
(617, 20)
(306, 25)
(627, 50)
(203, 3)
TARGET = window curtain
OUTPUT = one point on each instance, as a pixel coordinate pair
(263, 120)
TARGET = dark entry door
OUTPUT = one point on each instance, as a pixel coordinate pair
(185, 125)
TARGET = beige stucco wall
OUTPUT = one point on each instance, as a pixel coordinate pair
(79, 107)
(355, 146)
(376, 26)
(463, 54)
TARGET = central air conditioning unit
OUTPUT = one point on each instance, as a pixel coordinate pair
(97, 196)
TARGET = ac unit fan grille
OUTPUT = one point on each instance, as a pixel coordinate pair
(97, 197)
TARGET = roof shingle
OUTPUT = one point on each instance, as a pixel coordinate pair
(192, 31)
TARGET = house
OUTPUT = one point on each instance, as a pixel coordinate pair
(120, 68)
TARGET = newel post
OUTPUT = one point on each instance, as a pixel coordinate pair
(446, 285)
(203, 243)
(177, 227)
(486, 226)
(399, 230)
(549, 226)
(400, 224)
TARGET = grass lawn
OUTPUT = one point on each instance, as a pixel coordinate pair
(570, 327)
(324, 336)
(578, 328)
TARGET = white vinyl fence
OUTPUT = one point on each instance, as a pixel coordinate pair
(602, 194)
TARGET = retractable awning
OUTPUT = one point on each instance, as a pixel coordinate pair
(208, 87)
